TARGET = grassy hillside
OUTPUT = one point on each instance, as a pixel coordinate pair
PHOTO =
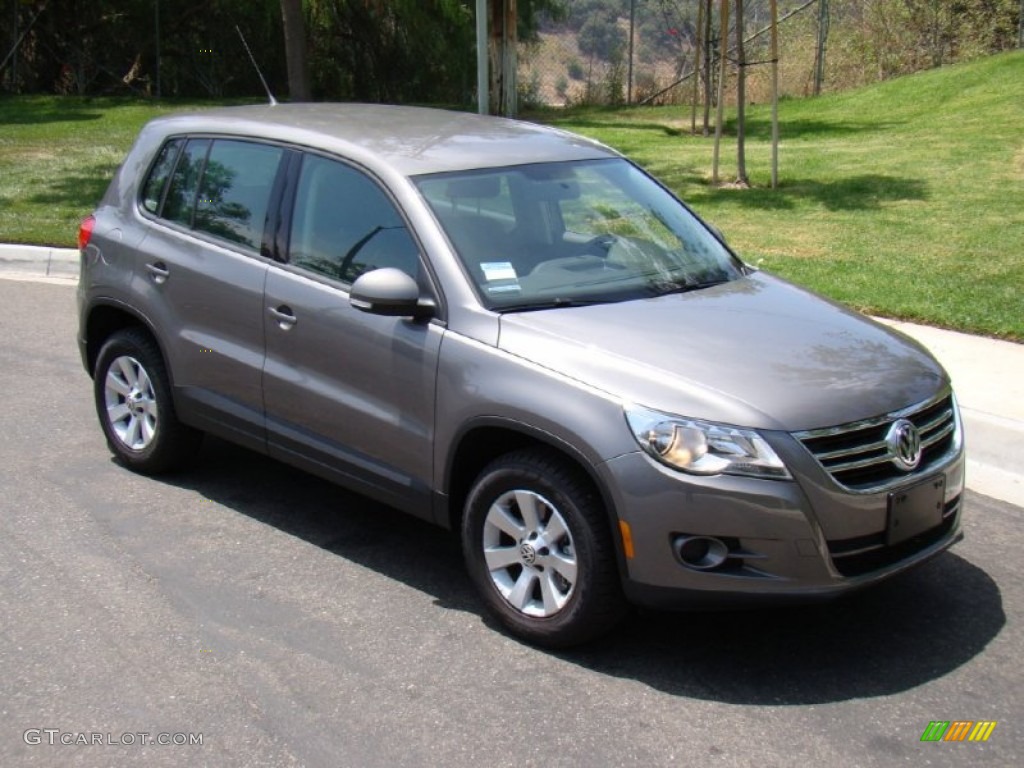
(904, 199)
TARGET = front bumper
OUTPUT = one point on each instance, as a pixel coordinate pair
(801, 540)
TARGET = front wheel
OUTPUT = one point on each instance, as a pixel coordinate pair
(133, 402)
(537, 546)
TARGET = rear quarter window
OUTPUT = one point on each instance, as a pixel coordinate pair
(153, 190)
(181, 194)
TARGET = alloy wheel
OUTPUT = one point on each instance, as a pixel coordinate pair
(130, 401)
(529, 553)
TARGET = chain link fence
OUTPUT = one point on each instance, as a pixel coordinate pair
(646, 51)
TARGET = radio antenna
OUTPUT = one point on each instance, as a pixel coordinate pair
(273, 101)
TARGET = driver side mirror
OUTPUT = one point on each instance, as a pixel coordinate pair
(389, 292)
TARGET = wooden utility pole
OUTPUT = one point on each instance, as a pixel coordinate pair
(503, 50)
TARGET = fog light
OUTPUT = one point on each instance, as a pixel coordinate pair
(702, 553)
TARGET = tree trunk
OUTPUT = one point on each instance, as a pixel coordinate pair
(295, 50)
(1020, 26)
(709, 67)
(700, 43)
(723, 44)
(741, 98)
(632, 36)
(775, 93)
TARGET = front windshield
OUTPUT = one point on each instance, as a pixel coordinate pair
(561, 234)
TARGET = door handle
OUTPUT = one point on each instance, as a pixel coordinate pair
(284, 316)
(159, 272)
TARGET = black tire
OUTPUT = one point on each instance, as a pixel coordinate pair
(134, 405)
(551, 588)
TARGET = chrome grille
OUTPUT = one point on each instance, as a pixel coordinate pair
(858, 458)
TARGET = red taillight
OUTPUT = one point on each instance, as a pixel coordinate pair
(85, 231)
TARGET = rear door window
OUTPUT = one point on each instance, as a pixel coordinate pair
(235, 190)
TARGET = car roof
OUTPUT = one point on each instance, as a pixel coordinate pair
(409, 140)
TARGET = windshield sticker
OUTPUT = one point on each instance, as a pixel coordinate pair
(500, 277)
(498, 270)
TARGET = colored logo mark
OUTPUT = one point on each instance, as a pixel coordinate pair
(958, 730)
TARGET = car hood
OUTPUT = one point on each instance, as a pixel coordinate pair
(756, 352)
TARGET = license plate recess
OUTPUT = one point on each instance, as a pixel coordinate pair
(915, 509)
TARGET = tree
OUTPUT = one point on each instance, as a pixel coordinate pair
(391, 50)
(600, 38)
(530, 13)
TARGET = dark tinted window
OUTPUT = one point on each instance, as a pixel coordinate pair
(235, 189)
(181, 195)
(344, 224)
(161, 171)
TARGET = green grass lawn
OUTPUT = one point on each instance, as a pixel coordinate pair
(905, 199)
(57, 155)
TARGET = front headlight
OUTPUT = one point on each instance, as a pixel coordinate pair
(702, 447)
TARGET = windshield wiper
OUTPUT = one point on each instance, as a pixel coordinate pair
(556, 303)
(686, 287)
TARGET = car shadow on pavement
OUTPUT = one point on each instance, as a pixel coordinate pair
(896, 636)
(399, 546)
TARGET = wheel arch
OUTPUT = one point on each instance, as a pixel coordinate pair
(483, 440)
(107, 318)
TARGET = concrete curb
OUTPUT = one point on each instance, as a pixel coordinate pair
(988, 376)
(39, 260)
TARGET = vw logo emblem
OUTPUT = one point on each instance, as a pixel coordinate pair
(527, 553)
(904, 442)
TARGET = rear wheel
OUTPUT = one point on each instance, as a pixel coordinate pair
(536, 543)
(133, 402)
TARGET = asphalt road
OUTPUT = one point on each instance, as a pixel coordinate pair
(287, 622)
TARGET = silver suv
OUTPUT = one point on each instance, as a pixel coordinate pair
(516, 333)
